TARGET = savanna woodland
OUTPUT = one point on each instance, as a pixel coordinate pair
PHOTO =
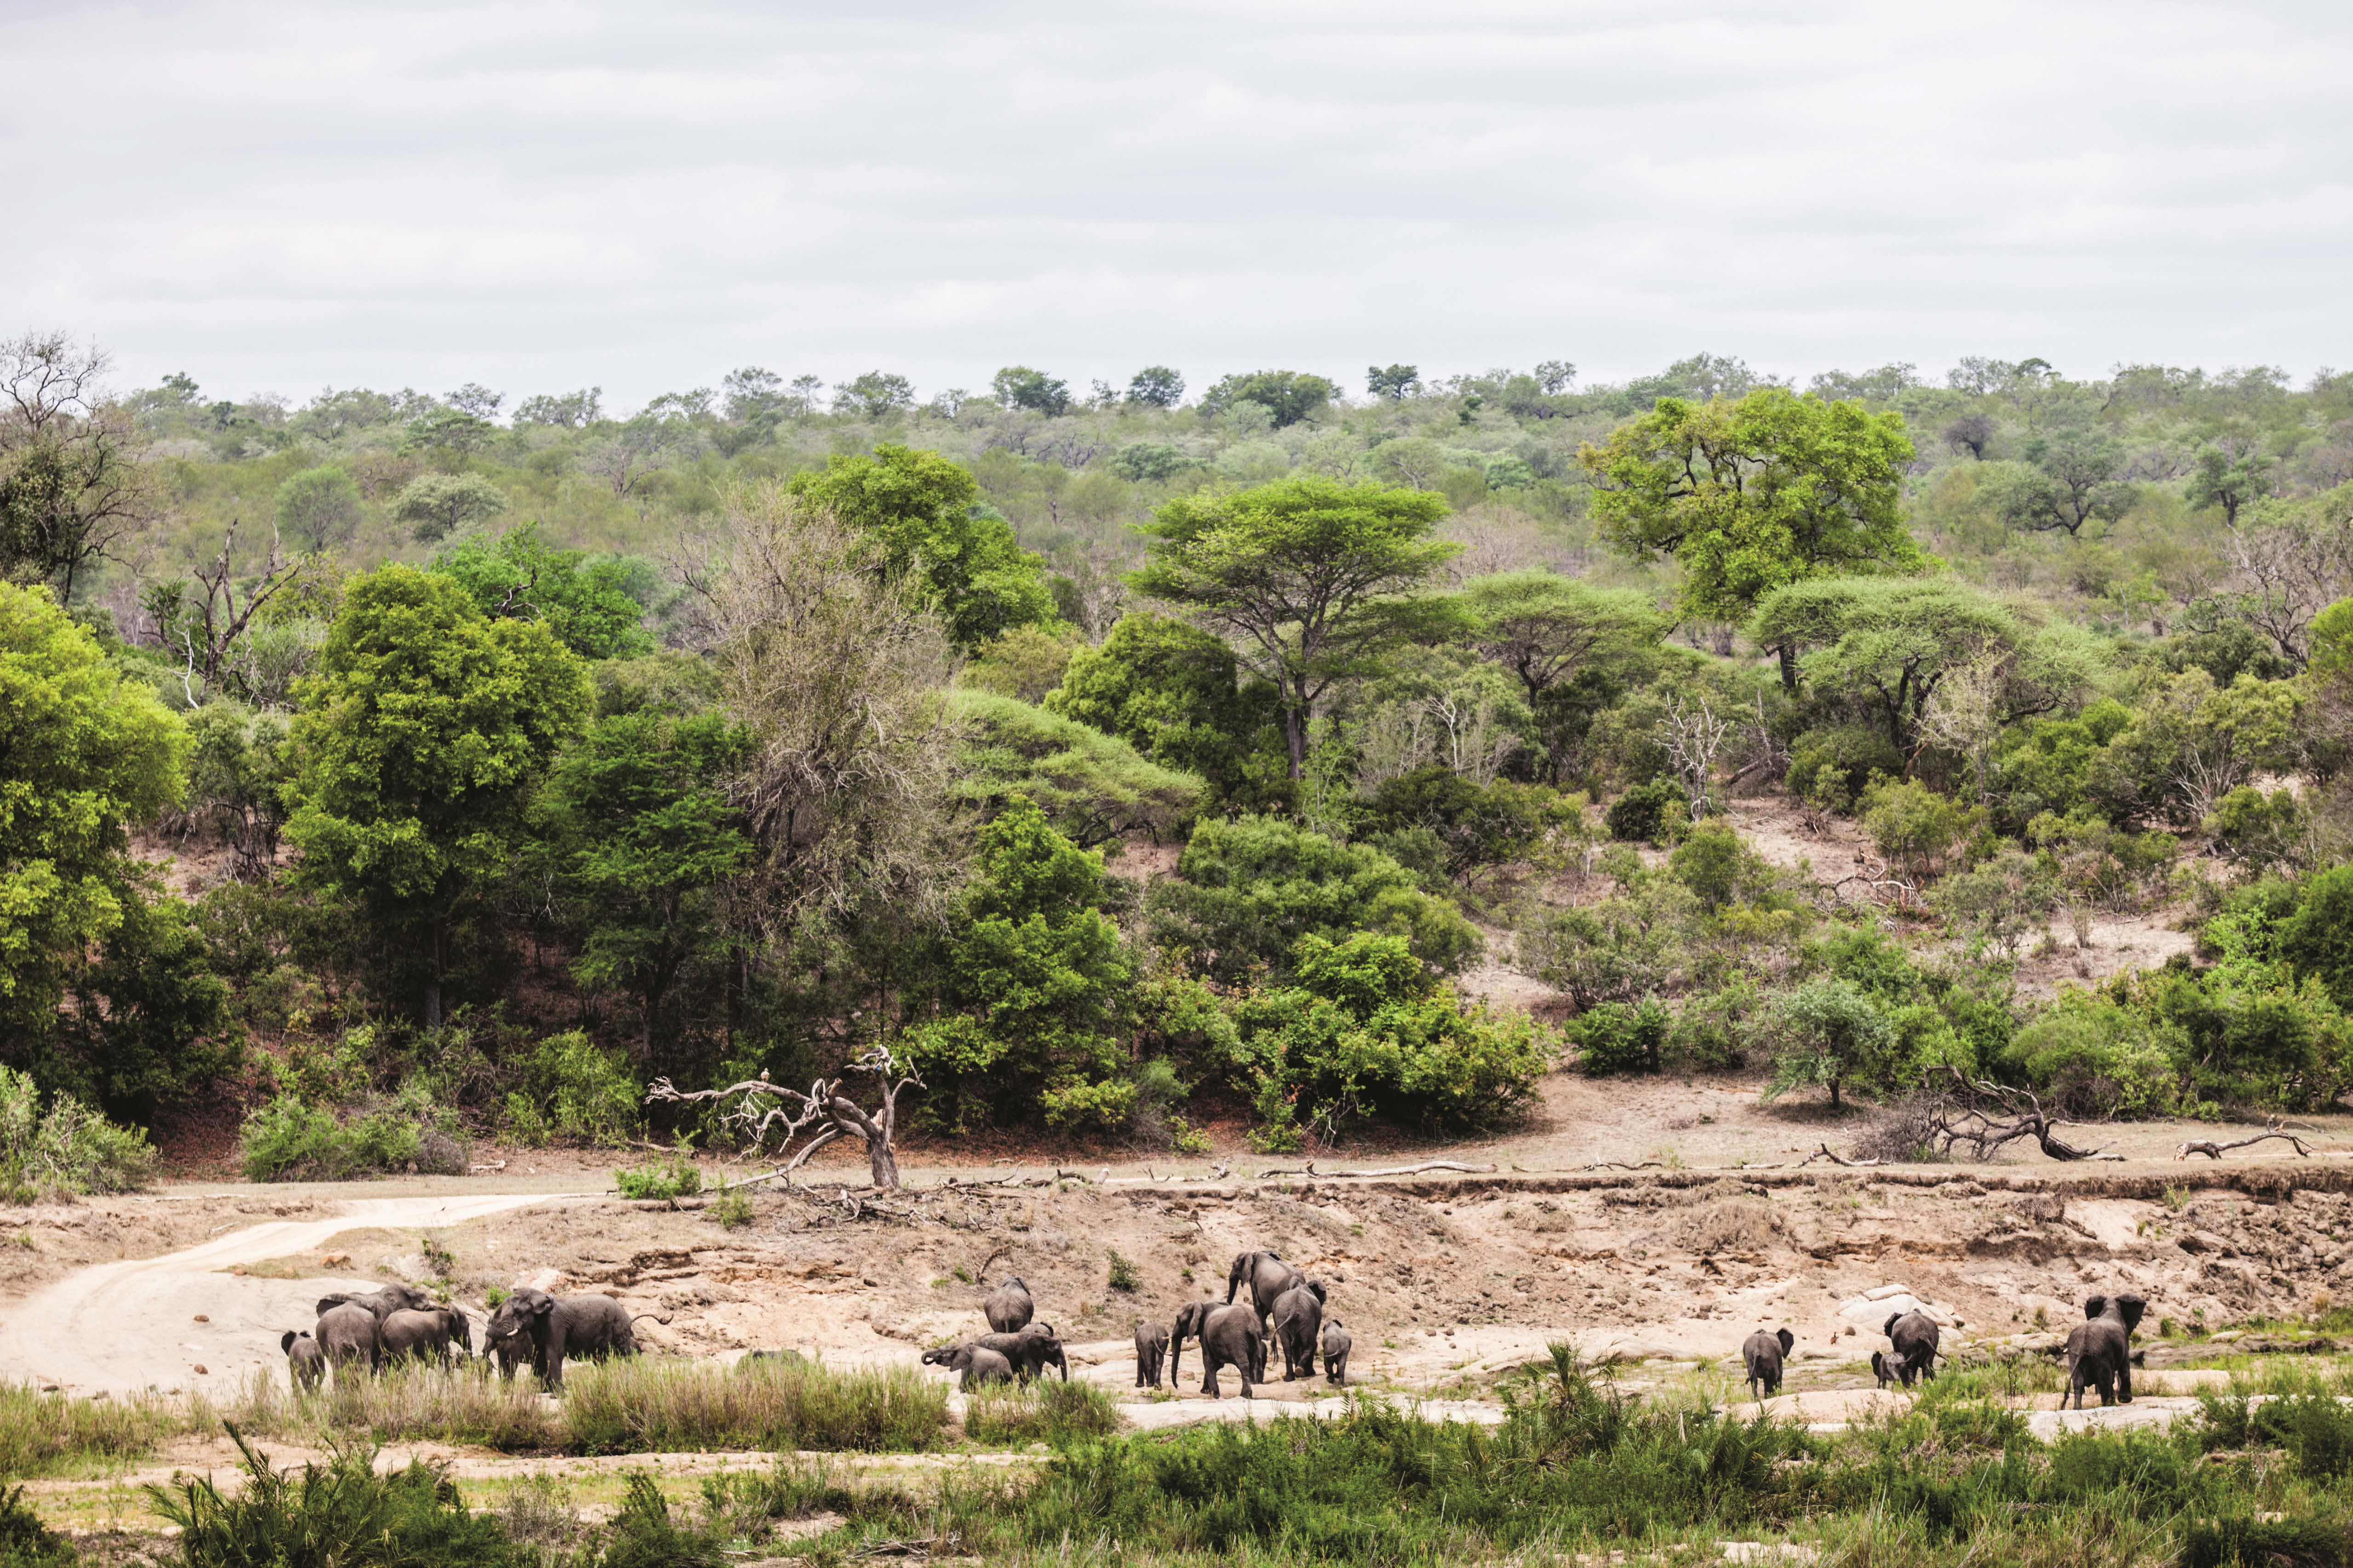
(397, 770)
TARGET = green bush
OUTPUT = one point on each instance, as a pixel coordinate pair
(50, 1434)
(1914, 827)
(1826, 1034)
(2255, 831)
(1642, 813)
(1835, 764)
(1014, 1415)
(1245, 892)
(571, 1087)
(26, 1542)
(341, 1514)
(2317, 940)
(1617, 1037)
(291, 1138)
(2096, 1060)
(641, 1405)
(645, 1536)
(66, 1149)
(679, 1177)
(731, 1211)
(1718, 867)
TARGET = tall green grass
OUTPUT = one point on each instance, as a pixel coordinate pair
(645, 1407)
(1015, 1415)
(49, 1433)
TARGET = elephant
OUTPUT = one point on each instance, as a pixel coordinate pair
(1189, 1318)
(1232, 1336)
(1150, 1349)
(511, 1346)
(416, 1336)
(304, 1359)
(978, 1363)
(1268, 1278)
(1031, 1352)
(1762, 1353)
(1009, 1307)
(2099, 1350)
(1914, 1336)
(1882, 1368)
(1298, 1323)
(348, 1334)
(593, 1327)
(384, 1302)
(1338, 1343)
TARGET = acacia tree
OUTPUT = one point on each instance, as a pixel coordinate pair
(1752, 494)
(421, 739)
(1315, 580)
(70, 485)
(1546, 630)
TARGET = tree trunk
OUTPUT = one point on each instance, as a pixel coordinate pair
(1294, 735)
(1789, 652)
(433, 986)
(883, 1163)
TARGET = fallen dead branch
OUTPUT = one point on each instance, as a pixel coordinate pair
(1622, 1165)
(1824, 1153)
(1309, 1170)
(1988, 1116)
(2214, 1150)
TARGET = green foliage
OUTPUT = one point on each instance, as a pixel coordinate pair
(2258, 832)
(318, 506)
(1122, 1275)
(1915, 827)
(645, 1536)
(2317, 941)
(1553, 633)
(422, 738)
(1052, 1412)
(1172, 691)
(1093, 786)
(1718, 868)
(87, 755)
(569, 1086)
(150, 1021)
(26, 1542)
(588, 604)
(646, 1406)
(1313, 579)
(1032, 974)
(2096, 1060)
(925, 514)
(1366, 1032)
(341, 1514)
(1643, 813)
(1025, 664)
(66, 1149)
(1831, 767)
(291, 1137)
(1755, 493)
(1473, 825)
(1245, 892)
(1617, 949)
(436, 506)
(729, 1211)
(677, 1177)
(1289, 395)
(1826, 1034)
(1615, 1038)
(1149, 462)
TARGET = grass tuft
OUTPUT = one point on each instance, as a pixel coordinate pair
(1057, 1413)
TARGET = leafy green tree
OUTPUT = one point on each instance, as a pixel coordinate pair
(564, 410)
(1394, 382)
(1474, 824)
(1024, 664)
(451, 431)
(71, 485)
(1826, 1034)
(1018, 387)
(2069, 477)
(1290, 395)
(1173, 692)
(1156, 386)
(420, 743)
(644, 836)
(1093, 787)
(85, 755)
(150, 1023)
(874, 395)
(1032, 976)
(1247, 891)
(436, 506)
(1891, 645)
(1149, 462)
(1563, 639)
(319, 507)
(586, 603)
(1315, 578)
(2227, 481)
(921, 508)
(1755, 493)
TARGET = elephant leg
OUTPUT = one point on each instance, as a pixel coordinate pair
(2124, 1378)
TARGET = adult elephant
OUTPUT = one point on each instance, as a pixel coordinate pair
(349, 1336)
(593, 1327)
(1762, 1356)
(509, 1346)
(2099, 1350)
(1232, 1336)
(1915, 1335)
(419, 1336)
(382, 1301)
(1188, 1326)
(1009, 1307)
(1267, 1276)
(1298, 1323)
(1031, 1352)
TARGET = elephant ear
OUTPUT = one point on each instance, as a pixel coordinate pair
(2131, 1308)
(286, 1341)
(1888, 1328)
(328, 1303)
(2094, 1305)
(1786, 1339)
(541, 1306)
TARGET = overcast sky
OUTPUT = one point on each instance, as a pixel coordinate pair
(278, 197)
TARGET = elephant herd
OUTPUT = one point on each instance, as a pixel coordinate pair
(2098, 1351)
(399, 1324)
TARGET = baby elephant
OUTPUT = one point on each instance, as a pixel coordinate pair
(1763, 1354)
(304, 1359)
(1882, 1368)
(1151, 1348)
(2099, 1350)
(978, 1363)
(1338, 1343)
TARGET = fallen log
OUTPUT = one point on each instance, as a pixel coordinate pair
(1309, 1170)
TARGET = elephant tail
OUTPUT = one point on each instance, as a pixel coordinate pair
(641, 1317)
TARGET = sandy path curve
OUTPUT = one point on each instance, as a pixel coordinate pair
(117, 1328)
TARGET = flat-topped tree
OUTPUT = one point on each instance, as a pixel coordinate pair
(1754, 493)
(1311, 580)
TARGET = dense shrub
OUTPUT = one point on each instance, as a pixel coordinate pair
(1047, 1411)
(2317, 941)
(67, 1149)
(1914, 826)
(571, 1087)
(1473, 825)
(26, 1542)
(1617, 950)
(1246, 892)
(292, 1138)
(1617, 1037)
(2094, 1060)
(1642, 813)
(677, 1177)
(1831, 767)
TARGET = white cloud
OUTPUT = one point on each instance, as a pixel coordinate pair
(547, 196)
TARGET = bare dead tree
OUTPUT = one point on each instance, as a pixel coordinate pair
(2287, 570)
(204, 631)
(774, 1110)
(71, 486)
(1693, 734)
(1989, 1116)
